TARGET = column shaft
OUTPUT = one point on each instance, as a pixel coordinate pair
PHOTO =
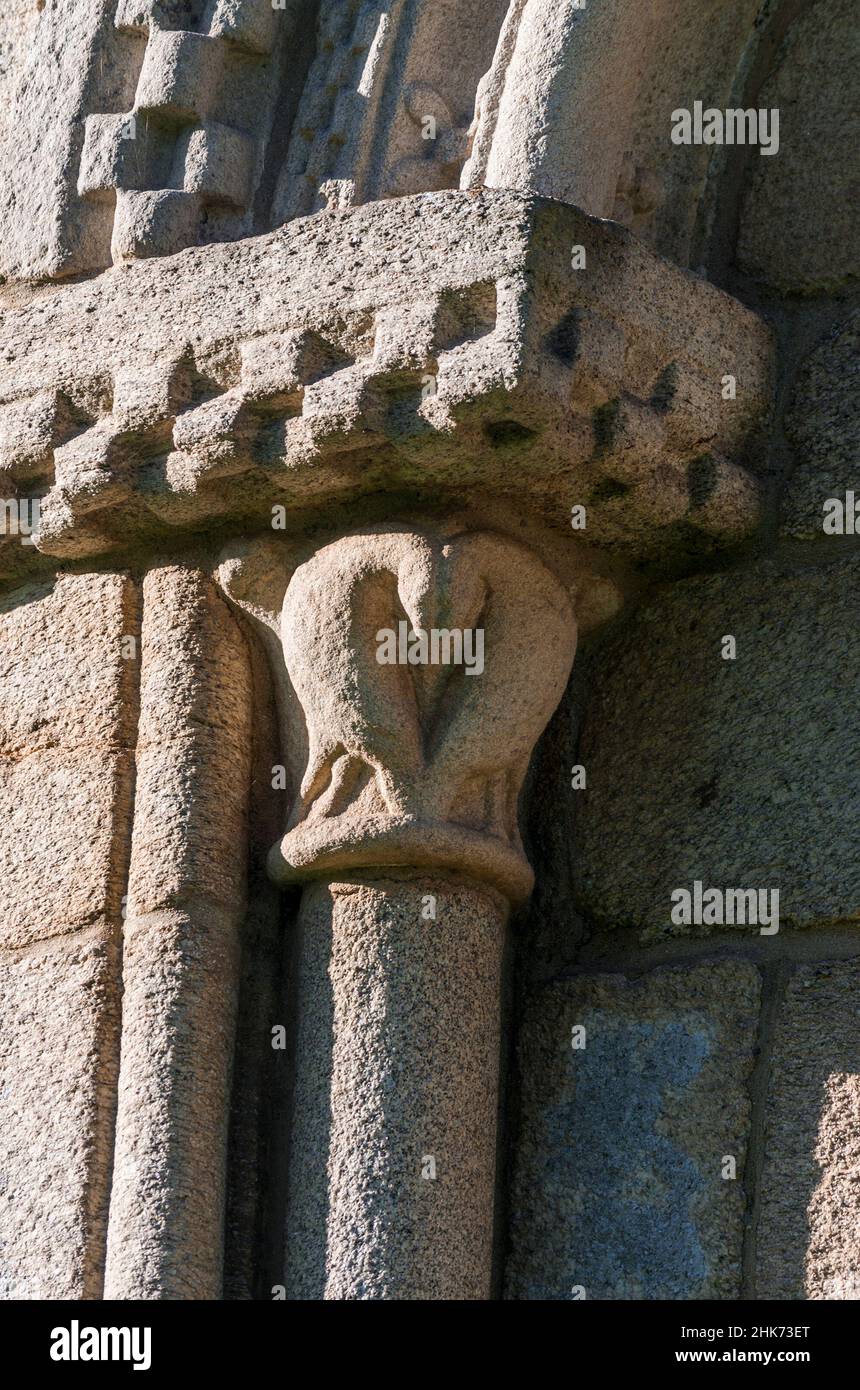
(181, 946)
(393, 1144)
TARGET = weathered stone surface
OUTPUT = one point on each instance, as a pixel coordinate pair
(381, 71)
(823, 424)
(810, 1198)
(135, 130)
(618, 1186)
(438, 345)
(57, 858)
(697, 51)
(409, 767)
(798, 228)
(193, 747)
(183, 160)
(67, 726)
(181, 945)
(577, 106)
(44, 229)
(397, 1063)
(59, 1049)
(178, 125)
(733, 773)
(20, 21)
(181, 125)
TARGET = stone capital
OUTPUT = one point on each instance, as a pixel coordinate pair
(426, 666)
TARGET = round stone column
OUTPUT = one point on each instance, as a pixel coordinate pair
(392, 1178)
(424, 666)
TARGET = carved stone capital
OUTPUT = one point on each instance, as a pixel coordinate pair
(426, 669)
(426, 666)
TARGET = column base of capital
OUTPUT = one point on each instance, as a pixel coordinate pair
(340, 844)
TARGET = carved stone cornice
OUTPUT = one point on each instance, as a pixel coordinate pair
(440, 345)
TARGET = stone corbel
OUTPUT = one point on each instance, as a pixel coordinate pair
(419, 670)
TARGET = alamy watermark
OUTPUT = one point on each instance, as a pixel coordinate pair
(20, 517)
(717, 907)
(711, 126)
(435, 646)
(77, 1343)
(841, 517)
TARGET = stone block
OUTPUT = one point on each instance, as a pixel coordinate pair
(28, 431)
(110, 158)
(733, 773)
(807, 1243)
(59, 1050)
(57, 842)
(179, 74)
(89, 467)
(67, 723)
(619, 1186)
(69, 66)
(153, 223)
(218, 163)
(276, 367)
(251, 24)
(823, 424)
(143, 15)
(149, 396)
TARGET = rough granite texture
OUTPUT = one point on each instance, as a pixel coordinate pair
(405, 770)
(67, 722)
(578, 103)
(180, 959)
(420, 768)
(397, 1061)
(810, 1196)
(133, 130)
(809, 190)
(732, 773)
(45, 230)
(823, 425)
(440, 345)
(67, 719)
(59, 1050)
(618, 1186)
